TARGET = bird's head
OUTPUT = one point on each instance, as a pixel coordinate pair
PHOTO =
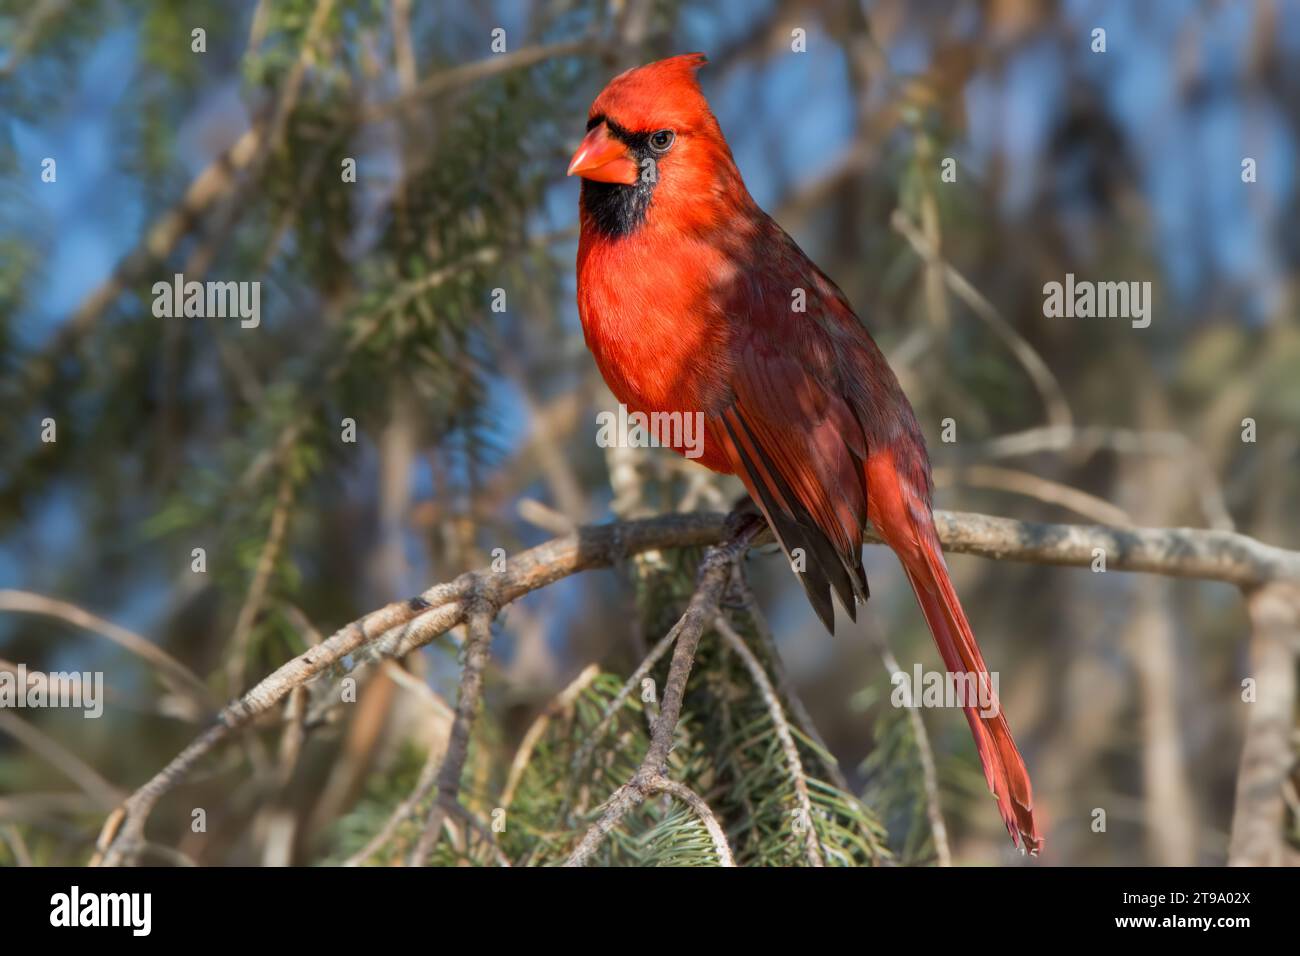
(651, 135)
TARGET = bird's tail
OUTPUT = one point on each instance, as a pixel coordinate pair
(908, 528)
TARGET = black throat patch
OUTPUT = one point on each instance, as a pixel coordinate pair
(617, 210)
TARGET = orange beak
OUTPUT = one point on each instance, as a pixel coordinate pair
(603, 158)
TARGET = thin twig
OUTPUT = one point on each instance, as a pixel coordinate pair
(562, 703)
(1057, 408)
(172, 672)
(261, 580)
(69, 764)
(17, 846)
(466, 74)
(701, 809)
(1085, 440)
(812, 846)
(925, 754)
(740, 586)
(1032, 486)
(629, 687)
(427, 695)
(423, 786)
(486, 835)
(1267, 757)
(477, 647)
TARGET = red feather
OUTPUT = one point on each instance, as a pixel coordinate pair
(689, 296)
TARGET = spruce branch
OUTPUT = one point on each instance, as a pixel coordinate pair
(563, 702)
(715, 572)
(925, 755)
(403, 811)
(701, 809)
(403, 626)
(803, 719)
(783, 734)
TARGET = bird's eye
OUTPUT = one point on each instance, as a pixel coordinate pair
(661, 140)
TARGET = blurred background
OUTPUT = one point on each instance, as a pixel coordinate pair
(475, 429)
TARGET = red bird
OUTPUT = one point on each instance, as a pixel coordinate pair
(693, 300)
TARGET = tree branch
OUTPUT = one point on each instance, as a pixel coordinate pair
(171, 672)
(562, 703)
(403, 626)
(812, 845)
(69, 764)
(925, 756)
(715, 571)
(477, 646)
(1258, 820)
(706, 815)
(1175, 552)
(252, 605)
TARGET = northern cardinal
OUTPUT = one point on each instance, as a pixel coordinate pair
(693, 300)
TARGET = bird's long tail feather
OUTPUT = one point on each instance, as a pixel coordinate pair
(905, 523)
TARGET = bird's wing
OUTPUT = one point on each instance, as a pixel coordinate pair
(814, 419)
(799, 449)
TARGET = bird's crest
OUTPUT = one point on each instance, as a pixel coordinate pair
(659, 94)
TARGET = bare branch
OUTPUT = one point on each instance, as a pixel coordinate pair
(477, 647)
(1085, 440)
(1032, 486)
(173, 672)
(65, 761)
(248, 611)
(1175, 552)
(1258, 830)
